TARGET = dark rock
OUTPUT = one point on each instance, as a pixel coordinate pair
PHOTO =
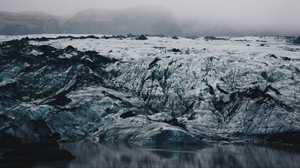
(128, 114)
(160, 48)
(263, 45)
(175, 37)
(141, 37)
(40, 39)
(221, 90)
(286, 59)
(262, 41)
(269, 87)
(175, 50)
(175, 122)
(41, 128)
(211, 90)
(273, 56)
(192, 37)
(60, 100)
(219, 104)
(211, 38)
(128, 104)
(207, 38)
(89, 37)
(254, 93)
(192, 116)
(116, 37)
(10, 90)
(153, 63)
(105, 37)
(69, 49)
(131, 35)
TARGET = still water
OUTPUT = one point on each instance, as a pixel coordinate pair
(90, 154)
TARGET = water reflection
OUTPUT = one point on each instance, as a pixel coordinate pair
(123, 155)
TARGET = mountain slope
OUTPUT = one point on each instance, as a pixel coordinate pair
(92, 21)
(27, 23)
(134, 20)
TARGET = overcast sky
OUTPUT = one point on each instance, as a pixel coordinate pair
(277, 15)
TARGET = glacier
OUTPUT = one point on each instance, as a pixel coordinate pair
(162, 90)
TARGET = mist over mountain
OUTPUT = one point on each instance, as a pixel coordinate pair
(134, 20)
(146, 20)
(28, 23)
(93, 21)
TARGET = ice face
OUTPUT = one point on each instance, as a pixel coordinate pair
(148, 91)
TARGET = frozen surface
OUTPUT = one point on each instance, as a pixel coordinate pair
(149, 91)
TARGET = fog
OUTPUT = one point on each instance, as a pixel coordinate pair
(220, 17)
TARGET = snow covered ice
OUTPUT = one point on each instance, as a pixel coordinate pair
(166, 90)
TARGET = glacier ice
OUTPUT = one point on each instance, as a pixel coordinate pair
(75, 87)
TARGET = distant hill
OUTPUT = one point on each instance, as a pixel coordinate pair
(92, 21)
(28, 23)
(134, 20)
